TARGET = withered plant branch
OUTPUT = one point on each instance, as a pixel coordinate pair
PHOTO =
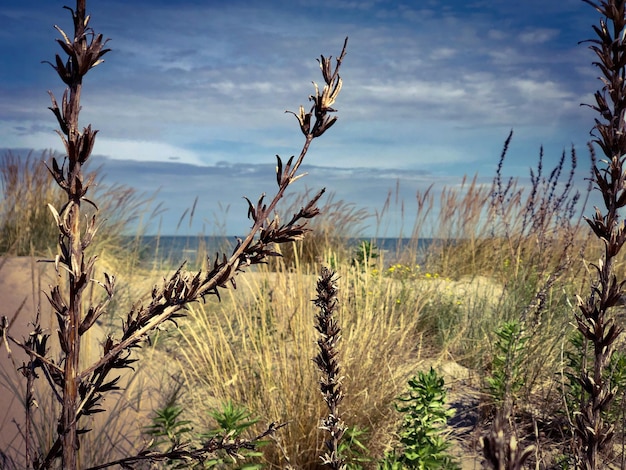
(35, 349)
(84, 51)
(327, 363)
(501, 449)
(183, 452)
(82, 391)
(595, 320)
(182, 288)
(323, 101)
(29, 372)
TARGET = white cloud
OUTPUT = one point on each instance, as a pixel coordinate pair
(442, 53)
(415, 91)
(144, 151)
(29, 134)
(547, 90)
(496, 34)
(538, 36)
(234, 89)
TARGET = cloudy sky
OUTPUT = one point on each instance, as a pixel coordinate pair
(191, 99)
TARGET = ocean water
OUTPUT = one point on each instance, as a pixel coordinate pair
(176, 249)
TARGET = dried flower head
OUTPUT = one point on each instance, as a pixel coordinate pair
(322, 102)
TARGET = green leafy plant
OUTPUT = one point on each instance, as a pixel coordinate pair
(168, 429)
(500, 446)
(167, 423)
(232, 421)
(507, 377)
(352, 447)
(365, 253)
(423, 444)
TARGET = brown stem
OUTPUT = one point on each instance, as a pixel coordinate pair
(328, 364)
(595, 321)
(81, 389)
(210, 284)
(71, 241)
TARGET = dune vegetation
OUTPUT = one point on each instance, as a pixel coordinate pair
(491, 336)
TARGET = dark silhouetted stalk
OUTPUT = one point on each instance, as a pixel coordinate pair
(84, 51)
(326, 360)
(501, 449)
(595, 320)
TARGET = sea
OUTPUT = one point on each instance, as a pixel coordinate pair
(176, 249)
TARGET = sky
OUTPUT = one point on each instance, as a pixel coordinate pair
(190, 102)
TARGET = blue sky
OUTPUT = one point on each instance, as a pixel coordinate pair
(191, 98)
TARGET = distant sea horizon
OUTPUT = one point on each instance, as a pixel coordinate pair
(178, 248)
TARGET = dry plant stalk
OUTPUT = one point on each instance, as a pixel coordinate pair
(595, 321)
(539, 227)
(501, 449)
(326, 360)
(80, 392)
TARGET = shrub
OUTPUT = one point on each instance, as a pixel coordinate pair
(422, 436)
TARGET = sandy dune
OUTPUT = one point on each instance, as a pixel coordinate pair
(23, 282)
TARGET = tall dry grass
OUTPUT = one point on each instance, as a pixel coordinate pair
(514, 250)
(502, 252)
(27, 226)
(256, 348)
(488, 228)
(342, 222)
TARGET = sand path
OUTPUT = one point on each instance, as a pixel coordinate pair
(23, 282)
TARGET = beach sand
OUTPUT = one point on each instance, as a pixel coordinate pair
(23, 283)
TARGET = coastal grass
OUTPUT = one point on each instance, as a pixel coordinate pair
(256, 348)
(399, 311)
(27, 227)
(493, 293)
